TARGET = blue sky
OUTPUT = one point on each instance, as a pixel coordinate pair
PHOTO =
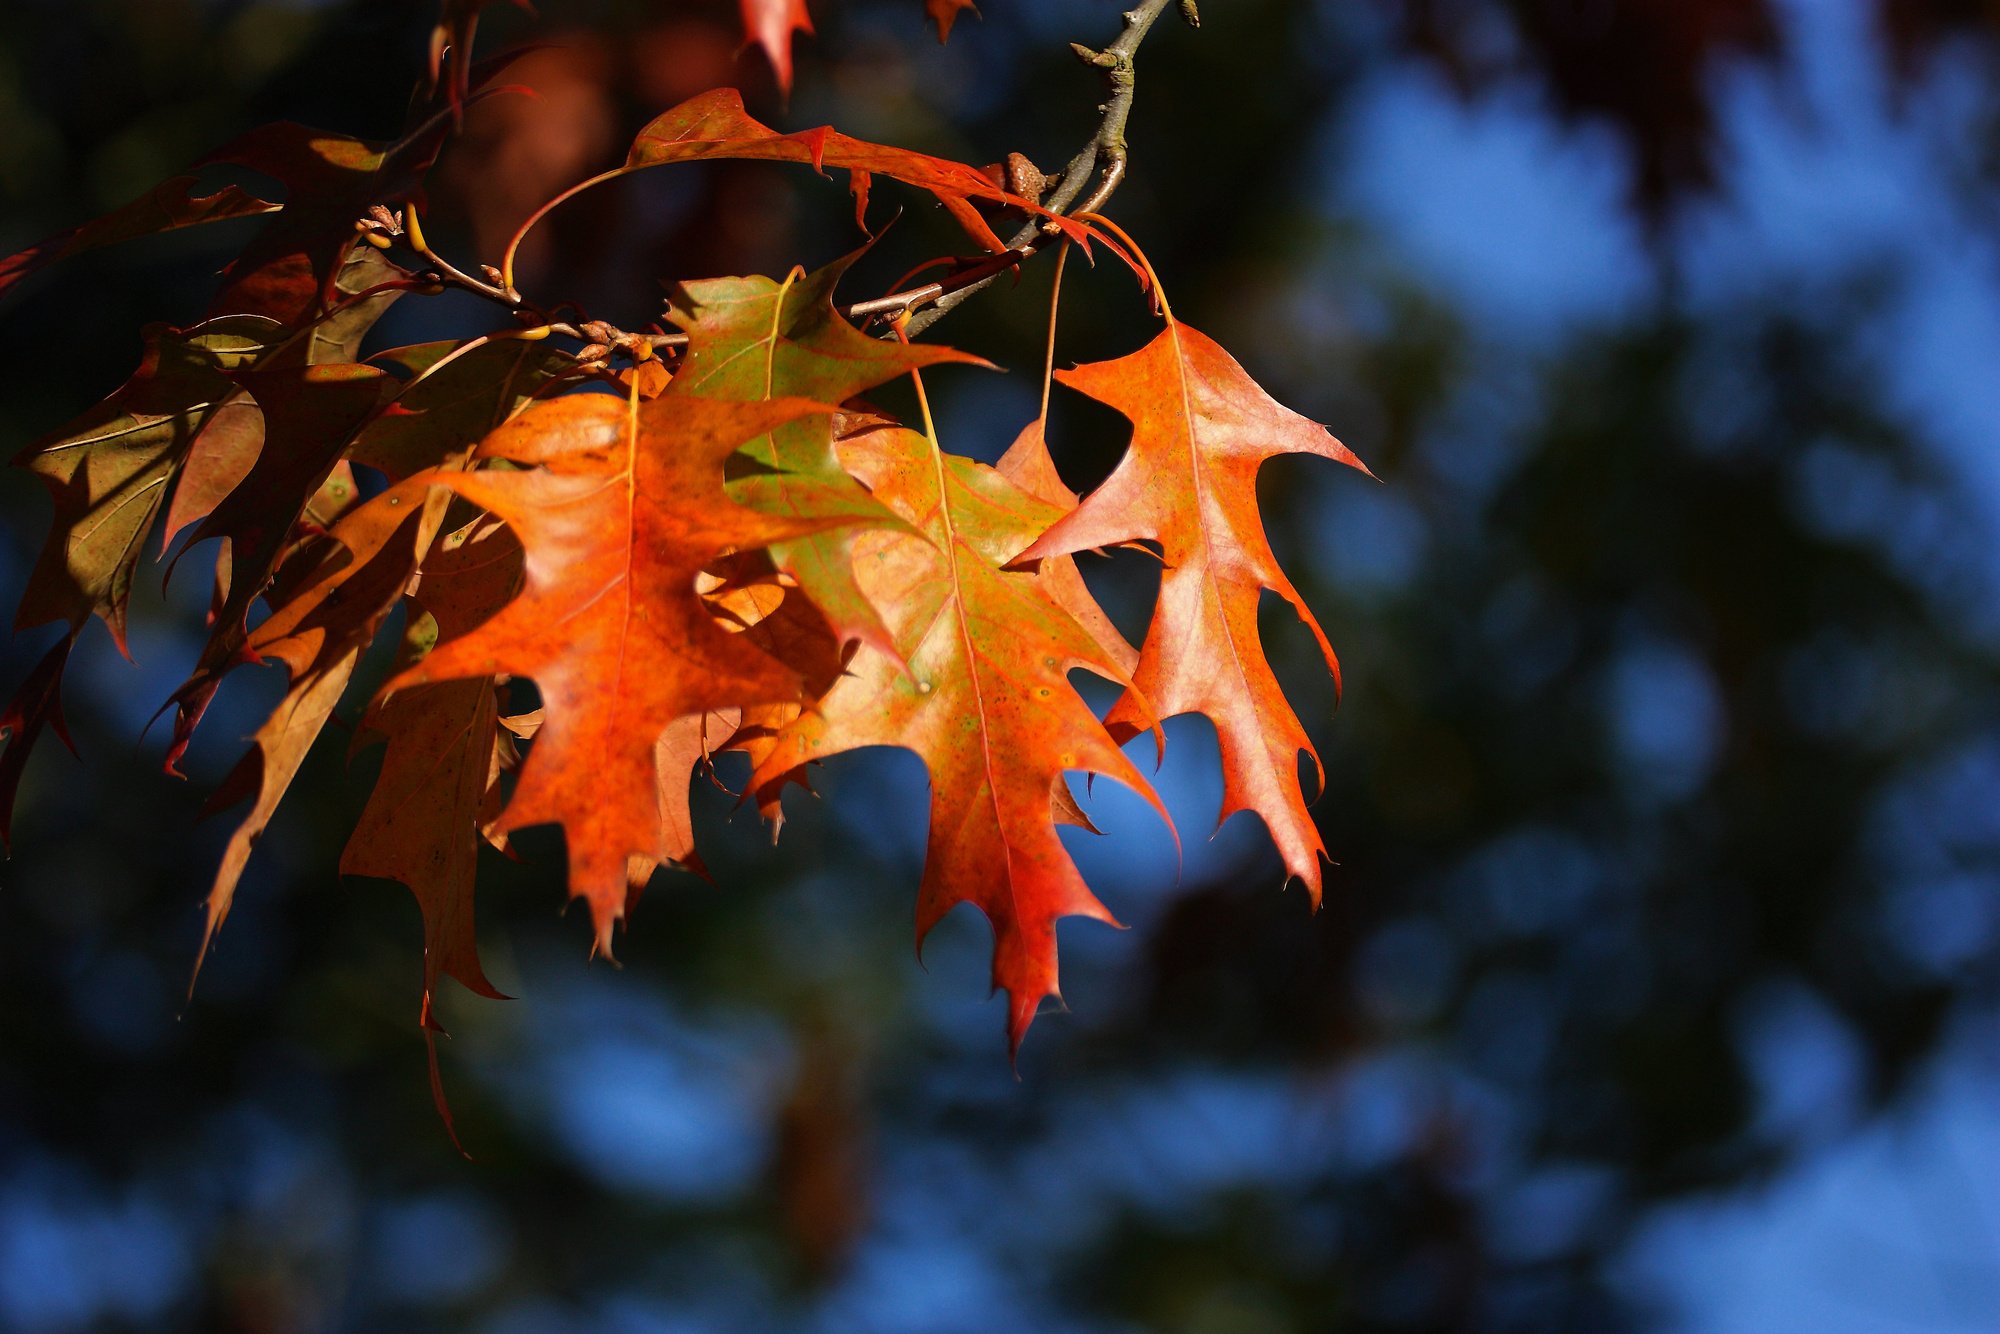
(1518, 221)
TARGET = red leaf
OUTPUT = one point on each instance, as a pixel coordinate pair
(38, 703)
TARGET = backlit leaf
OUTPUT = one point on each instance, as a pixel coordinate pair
(1201, 428)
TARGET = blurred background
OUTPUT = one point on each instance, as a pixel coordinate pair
(1655, 987)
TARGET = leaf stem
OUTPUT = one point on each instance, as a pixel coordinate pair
(1159, 292)
(917, 308)
(1104, 156)
(1049, 361)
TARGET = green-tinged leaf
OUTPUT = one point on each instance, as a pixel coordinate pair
(110, 471)
(986, 702)
(445, 412)
(751, 339)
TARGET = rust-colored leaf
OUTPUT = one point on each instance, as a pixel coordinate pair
(715, 125)
(357, 573)
(310, 415)
(987, 702)
(619, 506)
(439, 783)
(1201, 428)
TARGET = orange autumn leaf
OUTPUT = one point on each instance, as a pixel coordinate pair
(1201, 428)
(731, 552)
(987, 702)
(619, 505)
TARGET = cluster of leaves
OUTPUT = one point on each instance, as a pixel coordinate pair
(690, 540)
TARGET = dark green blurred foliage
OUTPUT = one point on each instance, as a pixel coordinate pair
(1669, 656)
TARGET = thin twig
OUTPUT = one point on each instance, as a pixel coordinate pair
(1103, 158)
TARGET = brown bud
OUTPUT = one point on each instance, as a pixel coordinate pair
(1024, 178)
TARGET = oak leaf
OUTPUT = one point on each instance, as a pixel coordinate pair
(168, 206)
(36, 704)
(1201, 428)
(110, 471)
(438, 788)
(619, 505)
(986, 702)
(715, 125)
(310, 416)
(354, 576)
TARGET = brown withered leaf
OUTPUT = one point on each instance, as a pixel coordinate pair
(310, 415)
(356, 575)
